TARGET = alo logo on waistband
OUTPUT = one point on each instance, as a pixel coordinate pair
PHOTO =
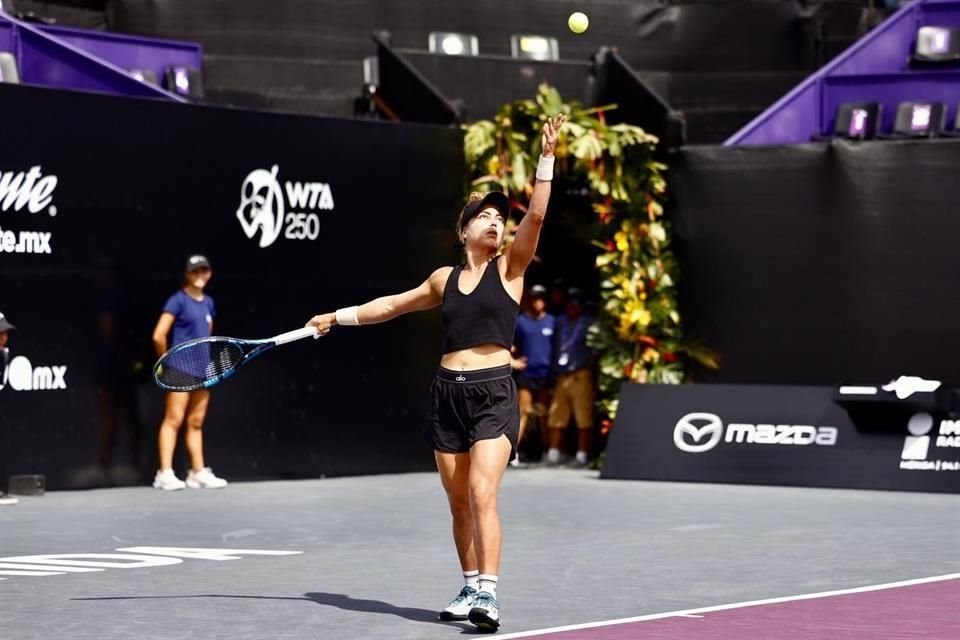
(461, 378)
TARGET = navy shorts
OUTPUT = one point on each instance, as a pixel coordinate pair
(467, 406)
(533, 384)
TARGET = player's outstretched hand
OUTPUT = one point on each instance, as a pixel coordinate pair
(551, 129)
(322, 322)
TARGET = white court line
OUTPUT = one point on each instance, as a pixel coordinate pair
(735, 605)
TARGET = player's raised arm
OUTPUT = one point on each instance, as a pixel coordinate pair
(427, 296)
(524, 246)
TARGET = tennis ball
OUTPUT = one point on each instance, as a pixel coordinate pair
(578, 22)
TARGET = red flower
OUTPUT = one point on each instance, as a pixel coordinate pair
(628, 369)
(610, 245)
(669, 356)
(605, 426)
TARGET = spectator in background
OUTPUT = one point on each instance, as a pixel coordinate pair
(189, 313)
(558, 298)
(5, 328)
(573, 389)
(533, 350)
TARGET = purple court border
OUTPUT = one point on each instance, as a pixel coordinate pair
(920, 608)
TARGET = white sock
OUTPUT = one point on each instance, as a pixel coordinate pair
(553, 455)
(472, 579)
(488, 583)
(582, 457)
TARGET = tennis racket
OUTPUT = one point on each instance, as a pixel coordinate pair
(203, 362)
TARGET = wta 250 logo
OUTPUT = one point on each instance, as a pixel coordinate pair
(271, 210)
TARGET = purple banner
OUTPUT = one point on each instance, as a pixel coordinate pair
(890, 90)
(47, 61)
(131, 52)
(875, 69)
(7, 39)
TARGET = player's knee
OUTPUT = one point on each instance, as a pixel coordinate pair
(195, 422)
(460, 506)
(483, 495)
(173, 420)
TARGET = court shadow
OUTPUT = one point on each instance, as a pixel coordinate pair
(348, 603)
(338, 600)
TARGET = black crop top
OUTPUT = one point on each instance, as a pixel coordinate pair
(488, 315)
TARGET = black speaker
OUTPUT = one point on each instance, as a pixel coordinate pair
(27, 485)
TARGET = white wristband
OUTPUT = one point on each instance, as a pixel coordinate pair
(347, 317)
(545, 168)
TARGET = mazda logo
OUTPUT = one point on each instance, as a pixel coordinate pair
(697, 432)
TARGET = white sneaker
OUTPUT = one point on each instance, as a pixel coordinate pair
(204, 479)
(459, 607)
(485, 614)
(168, 481)
(7, 499)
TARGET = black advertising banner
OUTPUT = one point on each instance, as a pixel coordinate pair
(779, 435)
(819, 263)
(102, 198)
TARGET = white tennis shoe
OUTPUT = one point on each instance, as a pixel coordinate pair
(459, 607)
(204, 479)
(168, 481)
(485, 613)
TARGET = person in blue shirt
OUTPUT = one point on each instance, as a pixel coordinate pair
(573, 391)
(5, 327)
(533, 351)
(188, 314)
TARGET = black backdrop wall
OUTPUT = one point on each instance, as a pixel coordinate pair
(679, 36)
(821, 263)
(139, 186)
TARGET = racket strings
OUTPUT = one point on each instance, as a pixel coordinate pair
(192, 366)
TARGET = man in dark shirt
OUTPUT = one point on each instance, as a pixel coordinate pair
(533, 355)
(573, 390)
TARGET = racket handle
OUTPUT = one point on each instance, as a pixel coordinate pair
(293, 336)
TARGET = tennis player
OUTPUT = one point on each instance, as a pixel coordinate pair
(189, 314)
(473, 419)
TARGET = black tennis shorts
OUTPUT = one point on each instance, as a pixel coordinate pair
(533, 384)
(467, 406)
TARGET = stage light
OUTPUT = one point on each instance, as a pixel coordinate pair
(920, 120)
(857, 120)
(533, 47)
(858, 123)
(371, 72)
(453, 44)
(144, 75)
(184, 81)
(8, 69)
(937, 44)
(936, 47)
